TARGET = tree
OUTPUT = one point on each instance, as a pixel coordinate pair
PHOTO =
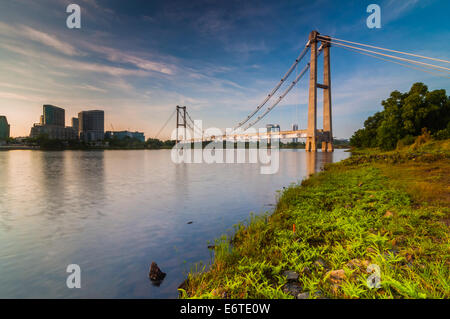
(404, 116)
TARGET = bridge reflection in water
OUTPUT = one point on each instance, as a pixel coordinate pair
(315, 161)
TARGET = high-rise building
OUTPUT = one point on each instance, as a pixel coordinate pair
(75, 124)
(4, 128)
(53, 115)
(270, 129)
(295, 128)
(52, 124)
(92, 125)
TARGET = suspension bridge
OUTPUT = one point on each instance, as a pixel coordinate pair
(317, 45)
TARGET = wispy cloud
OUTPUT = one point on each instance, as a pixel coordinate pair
(116, 55)
(393, 9)
(51, 41)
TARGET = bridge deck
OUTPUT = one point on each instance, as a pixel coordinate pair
(255, 136)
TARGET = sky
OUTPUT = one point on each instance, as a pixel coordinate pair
(137, 60)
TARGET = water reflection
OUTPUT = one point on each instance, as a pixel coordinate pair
(71, 182)
(52, 174)
(114, 212)
(4, 189)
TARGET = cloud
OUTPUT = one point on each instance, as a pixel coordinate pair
(115, 55)
(90, 88)
(395, 9)
(74, 65)
(44, 38)
(50, 41)
(22, 97)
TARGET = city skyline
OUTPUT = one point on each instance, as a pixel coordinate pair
(219, 60)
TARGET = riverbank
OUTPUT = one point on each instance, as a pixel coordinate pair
(87, 148)
(390, 210)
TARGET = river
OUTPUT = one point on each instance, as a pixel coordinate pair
(114, 212)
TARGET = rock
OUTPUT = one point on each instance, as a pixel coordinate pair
(307, 295)
(292, 288)
(356, 263)
(290, 275)
(336, 276)
(303, 295)
(156, 275)
(183, 285)
(388, 214)
(215, 292)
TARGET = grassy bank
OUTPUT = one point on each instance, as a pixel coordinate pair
(387, 209)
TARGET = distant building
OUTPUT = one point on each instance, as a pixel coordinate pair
(52, 124)
(91, 125)
(4, 128)
(53, 115)
(273, 127)
(75, 124)
(295, 128)
(123, 134)
(54, 132)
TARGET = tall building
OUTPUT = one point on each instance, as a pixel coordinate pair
(92, 125)
(53, 115)
(52, 124)
(75, 124)
(272, 128)
(295, 128)
(4, 128)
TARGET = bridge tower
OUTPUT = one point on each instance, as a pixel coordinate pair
(181, 120)
(314, 137)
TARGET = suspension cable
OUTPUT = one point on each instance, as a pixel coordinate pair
(280, 98)
(193, 123)
(392, 56)
(275, 89)
(396, 62)
(165, 124)
(395, 51)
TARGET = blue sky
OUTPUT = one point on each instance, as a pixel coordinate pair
(138, 59)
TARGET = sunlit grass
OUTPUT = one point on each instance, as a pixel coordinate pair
(392, 211)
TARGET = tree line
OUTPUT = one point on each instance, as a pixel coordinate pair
(44, 142)
(404, 117)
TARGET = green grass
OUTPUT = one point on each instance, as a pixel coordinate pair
(391, 210)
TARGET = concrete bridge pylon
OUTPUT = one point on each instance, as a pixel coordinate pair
(315, 138)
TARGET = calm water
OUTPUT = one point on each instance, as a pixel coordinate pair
(114, 212)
